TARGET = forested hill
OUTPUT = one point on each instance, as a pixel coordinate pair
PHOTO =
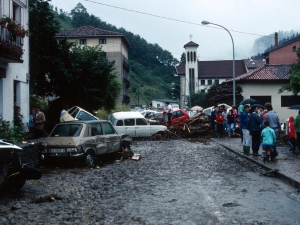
(152, 68)
(266, 43)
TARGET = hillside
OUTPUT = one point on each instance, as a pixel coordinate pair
(151, 74)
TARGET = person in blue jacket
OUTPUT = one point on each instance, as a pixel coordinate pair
(244, 121)
(268, 140)
(254, 127)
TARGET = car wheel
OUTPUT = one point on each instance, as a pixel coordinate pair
(90, 159)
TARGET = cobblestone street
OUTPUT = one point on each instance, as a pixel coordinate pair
(177, 182)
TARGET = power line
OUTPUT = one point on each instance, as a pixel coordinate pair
(176, 20)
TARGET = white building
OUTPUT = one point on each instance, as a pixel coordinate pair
(14, 67)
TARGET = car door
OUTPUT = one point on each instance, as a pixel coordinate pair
(99, 139)
(142, 129)
(111, 137)
(129, 125)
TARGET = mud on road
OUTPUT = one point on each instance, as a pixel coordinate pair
(177, 182)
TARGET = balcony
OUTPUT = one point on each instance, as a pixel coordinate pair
(126, 66)
(126, 99)
(11, 41)
(126, 83)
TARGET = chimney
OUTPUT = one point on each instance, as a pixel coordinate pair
(276, 40)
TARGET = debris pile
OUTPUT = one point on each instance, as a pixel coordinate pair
(223, 93)
(198, 125)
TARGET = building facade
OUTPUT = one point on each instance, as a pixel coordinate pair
(14, 59)
(114, 44)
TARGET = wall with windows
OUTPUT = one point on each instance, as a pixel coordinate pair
(269, 90)
(204, 84)
(14, 82)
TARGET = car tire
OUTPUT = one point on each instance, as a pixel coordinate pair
(90, 159)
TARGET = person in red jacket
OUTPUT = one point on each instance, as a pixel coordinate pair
(292, 136)
(219, 121)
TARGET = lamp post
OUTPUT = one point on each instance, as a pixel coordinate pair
(185, 86)
(233, 61)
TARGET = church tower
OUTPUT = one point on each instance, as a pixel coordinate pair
(191, 68)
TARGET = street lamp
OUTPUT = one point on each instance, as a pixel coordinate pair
(233, 61)
(185, 86)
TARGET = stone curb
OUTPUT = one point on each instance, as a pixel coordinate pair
(279, 175)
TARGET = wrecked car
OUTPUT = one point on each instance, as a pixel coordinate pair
(134, 124)
(77, 113)
(82, 140)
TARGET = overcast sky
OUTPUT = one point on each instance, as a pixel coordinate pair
(255, 17)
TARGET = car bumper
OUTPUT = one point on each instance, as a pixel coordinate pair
(70, 156)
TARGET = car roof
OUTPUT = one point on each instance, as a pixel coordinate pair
(127, 115)
(84, 121)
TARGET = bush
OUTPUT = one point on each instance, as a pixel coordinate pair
(11, 133)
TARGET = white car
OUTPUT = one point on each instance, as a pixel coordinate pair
(134, 124)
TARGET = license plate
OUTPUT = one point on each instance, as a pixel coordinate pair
(57, 150)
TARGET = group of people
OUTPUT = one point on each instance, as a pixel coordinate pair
(222, 121)
(36, 123)
(261, 124)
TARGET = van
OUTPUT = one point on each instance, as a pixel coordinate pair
(134, 124)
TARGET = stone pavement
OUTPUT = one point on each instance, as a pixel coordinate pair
(287, 163)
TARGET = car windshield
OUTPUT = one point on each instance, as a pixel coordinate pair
(66, 130)
(82, 115)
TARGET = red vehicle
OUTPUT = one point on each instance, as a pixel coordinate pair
(178, 116)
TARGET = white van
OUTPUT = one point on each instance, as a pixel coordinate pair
(134, 124)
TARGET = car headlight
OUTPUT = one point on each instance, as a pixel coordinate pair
(71, 149)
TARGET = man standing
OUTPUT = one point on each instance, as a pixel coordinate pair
(244, 121)
(213, 116)
(254, 126)
(169, 113)
(39, 123)
(297, 126)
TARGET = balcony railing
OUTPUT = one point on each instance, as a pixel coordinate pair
(126, 66)
(10, 47)
(126, 83)
(126, 99)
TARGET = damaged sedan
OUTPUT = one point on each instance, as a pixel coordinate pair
(83, 140)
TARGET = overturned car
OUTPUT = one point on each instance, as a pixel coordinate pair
(83, 140)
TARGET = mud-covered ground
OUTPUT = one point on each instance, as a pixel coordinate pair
(177, 182)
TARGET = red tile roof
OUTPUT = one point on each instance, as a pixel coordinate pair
(89, 31)
(254, 63)
(215, 69)
(267, 72)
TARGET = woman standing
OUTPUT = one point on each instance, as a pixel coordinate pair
(230, 123)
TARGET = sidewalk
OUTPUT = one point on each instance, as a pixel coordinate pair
(288, 164)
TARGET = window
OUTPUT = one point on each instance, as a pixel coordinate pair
(129, 122)
(17, 13)
(294, 49)
(262, 99)
(287, 101)
(192, 80)
(82, 41)
(102, 41)
(202, 82)
(119, 123)
(195, 56)
(209, 82)
(107, 128)
(66, 130)
(84, 116)
(141, 122)
(202, 91)
(188, 56)
(96, 129)
(216, 81)
(179, 114)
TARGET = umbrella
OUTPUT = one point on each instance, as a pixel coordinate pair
(248, 101)
(195, 108)
(294, 107)
(258, 106)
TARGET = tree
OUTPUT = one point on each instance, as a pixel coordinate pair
(198, 99)
(182, 58)
(80, 76)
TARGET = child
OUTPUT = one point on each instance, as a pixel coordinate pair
(292, 136)
(268, 139)
(219, 121)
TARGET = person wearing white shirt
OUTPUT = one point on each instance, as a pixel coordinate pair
(169, 113)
